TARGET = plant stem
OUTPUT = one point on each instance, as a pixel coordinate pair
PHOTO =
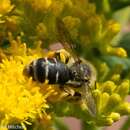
(126, 125)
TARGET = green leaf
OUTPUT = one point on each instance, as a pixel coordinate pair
(118, 4)
(118, 64)
(125, 43)
(102, 6)
(122, 16)
(88, 126)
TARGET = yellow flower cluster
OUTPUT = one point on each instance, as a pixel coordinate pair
(72, 23)
(19, 91)
(35, 21)
(22, 100)
(105, 35)
(5, 6)
(57, 7)
(110, 101)
(40, 5)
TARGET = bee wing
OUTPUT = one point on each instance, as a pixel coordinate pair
(64, 37)
(89, 99)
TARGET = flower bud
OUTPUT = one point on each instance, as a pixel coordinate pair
(123, 88)
(114, 26)
(106, 121)
(115, 116)
(108, 87)
(124, 108)
(97, 97)
(40, 5)
(5, 6)
(121, 52)
(104, 99)
(71, 22)
(115, 77)
(113, 102)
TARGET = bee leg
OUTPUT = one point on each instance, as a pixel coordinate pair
(67, 93)
(62, 55)
(69, 90)
(76, 98)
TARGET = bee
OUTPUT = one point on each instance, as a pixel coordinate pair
(79, 73)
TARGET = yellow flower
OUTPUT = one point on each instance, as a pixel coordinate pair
(41, 30)
(40, 5)
(57, 7)
(110, 101)
(114, 26)
(5, 6)
(22, 100)
(71, 22)
(118, 51)
(12, 22)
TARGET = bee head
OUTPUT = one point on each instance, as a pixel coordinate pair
(80, 72)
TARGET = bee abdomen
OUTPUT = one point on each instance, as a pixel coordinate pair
(51, 69)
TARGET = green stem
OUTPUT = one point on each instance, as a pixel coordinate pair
(126, 125)
(89, 126)
(59, 124)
